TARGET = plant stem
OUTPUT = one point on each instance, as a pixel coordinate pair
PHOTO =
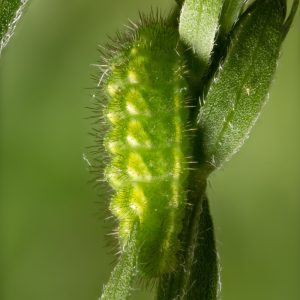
(197, 277)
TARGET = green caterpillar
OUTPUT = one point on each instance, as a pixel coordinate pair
(146, 92)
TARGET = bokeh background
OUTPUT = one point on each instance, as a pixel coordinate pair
(52, 237)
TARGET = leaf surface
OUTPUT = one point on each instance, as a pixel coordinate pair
(119, 284)
(10, 13)
(240, 87)
(199, 22)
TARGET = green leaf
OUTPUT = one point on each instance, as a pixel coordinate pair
(239, 89)
(198, 25)
(230, 12)
(10, 13)
(120, 282)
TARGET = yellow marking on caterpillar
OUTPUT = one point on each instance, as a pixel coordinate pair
(177, 102)
(131, 109)
(125, 228)
(114, 179)
(136, 135)
(139, 201)
(177, 165)
(176, 153)
(132, 141)
(113, 147)
(116, 209)
(112, 89)
(135, 103)
(137, 169)
(132, 77)
(134, 51)
(114, 118)
(175, 192)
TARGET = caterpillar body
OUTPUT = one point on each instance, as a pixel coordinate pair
(146, 93)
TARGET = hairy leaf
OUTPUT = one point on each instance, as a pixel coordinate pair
(119, 285)
(198, 26)
(239, 89)
(10, 13)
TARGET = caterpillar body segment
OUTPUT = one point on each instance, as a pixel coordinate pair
(146, 91)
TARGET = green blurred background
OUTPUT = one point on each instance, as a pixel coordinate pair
(52, 237)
